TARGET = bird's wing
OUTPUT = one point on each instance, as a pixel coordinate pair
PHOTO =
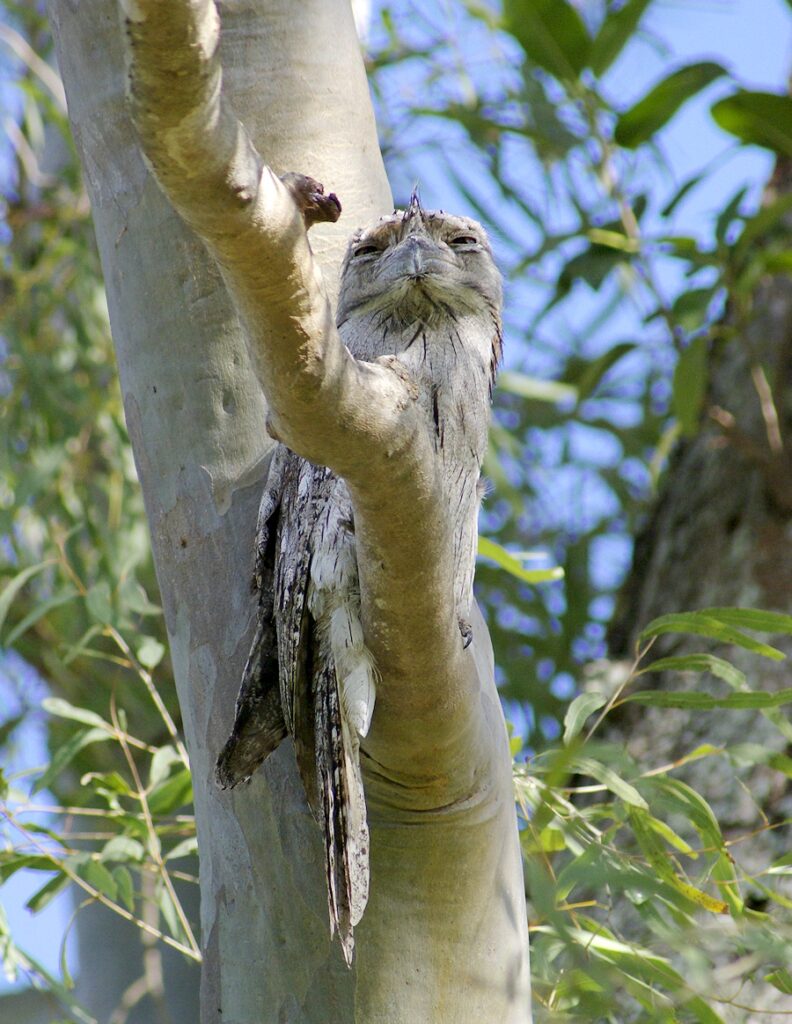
(258, 721)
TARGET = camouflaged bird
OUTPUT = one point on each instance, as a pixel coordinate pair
(420, 292)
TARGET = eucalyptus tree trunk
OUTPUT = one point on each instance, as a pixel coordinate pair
(720, 535)
(444, 936)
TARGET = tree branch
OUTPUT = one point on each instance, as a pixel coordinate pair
(358, 418)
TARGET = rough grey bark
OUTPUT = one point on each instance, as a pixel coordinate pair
(431, 947)
(720, 534)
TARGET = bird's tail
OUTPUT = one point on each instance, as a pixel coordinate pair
(343, 810)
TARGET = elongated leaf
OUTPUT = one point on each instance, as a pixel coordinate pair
(683, 799)
(690, 386)
(489, 549)
(702, 624)
(579, 710)
(608, 777)
(758, 118)
(680, 194)
(14, 585)
(47, 892)
(658, 106)
(590, 377)
(126, 890)
(95, 874)
(699, 663)
(615, 32)
(122, 848)
(63, 709)
(533, 387)
(552, 34)
(752, 618)
(186, 848)
(172, 794)
(658, 858)
(781, 979)
(37, 613)
(706, 702)
(66, 753)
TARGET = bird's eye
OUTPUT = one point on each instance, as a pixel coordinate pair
(464, 240)
(366, 250)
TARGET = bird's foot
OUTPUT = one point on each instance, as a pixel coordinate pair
(313, 204)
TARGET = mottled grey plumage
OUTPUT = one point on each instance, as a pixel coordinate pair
(421, 293)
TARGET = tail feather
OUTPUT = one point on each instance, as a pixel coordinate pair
(344, 812)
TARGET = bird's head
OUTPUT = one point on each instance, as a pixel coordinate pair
(419, 264)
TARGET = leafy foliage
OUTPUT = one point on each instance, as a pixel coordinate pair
(641, 837)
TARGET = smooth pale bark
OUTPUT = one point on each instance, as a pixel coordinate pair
(444, 936)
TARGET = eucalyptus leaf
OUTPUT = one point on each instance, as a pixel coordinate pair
(616, 31)
(690, 386)
(578, 712)
(757, 118)
(552, 34)
(651, 113)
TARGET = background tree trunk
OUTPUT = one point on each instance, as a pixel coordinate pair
(720, 534)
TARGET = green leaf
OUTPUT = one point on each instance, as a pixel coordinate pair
(683, 799)
(161, 763)
(680, 194)
(579, 710)
(186, 848)
(629, 794)
(489, 549)
(690, 386)
(752, 618)
(757, 118)
(746, 699)
(780, 979)
(95, 874)
(40, 899)
(122, 848)
(536, 388)
(723, 874)
(691, 308)
(592, 266)
(99, 602)
(660, 861)
(704, 624)
(729, 214)
(170, 795)
(699, 663)
(169, 913)
(762, 223)
(134, 598)
(37, 613)
(150, 652)
(14, 585)
(586, 378)
(66, 753)
(615, 32)
(63, 709)
(552, 34)
(126, 890)
(638, 124)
